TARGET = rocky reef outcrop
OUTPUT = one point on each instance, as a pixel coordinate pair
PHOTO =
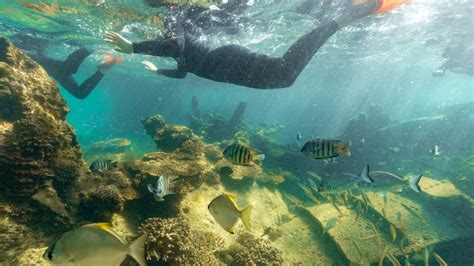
(36, 143)
(167, 137)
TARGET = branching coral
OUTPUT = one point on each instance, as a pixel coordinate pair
(252, 251)
(172, 241)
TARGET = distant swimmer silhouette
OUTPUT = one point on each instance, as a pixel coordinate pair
(459, 59)
(63, 71)
(236, 64)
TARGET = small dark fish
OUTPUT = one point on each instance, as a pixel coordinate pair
(325, 148)
(102, 165)
(242, 155)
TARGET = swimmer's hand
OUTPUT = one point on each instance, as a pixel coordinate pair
(123, 45)
(150, 66)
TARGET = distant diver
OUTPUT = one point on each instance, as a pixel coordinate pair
(460, 59)
(63, 71)
(236, 64)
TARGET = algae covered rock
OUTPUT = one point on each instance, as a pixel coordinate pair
(102, 204)
(36, 142)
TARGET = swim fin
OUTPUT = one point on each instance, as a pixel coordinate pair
(388, 5)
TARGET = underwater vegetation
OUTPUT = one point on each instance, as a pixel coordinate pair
(48, 189)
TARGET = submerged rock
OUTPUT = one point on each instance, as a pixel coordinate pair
(48, 197)
(167, 137)
(36, 143)
(100, 205)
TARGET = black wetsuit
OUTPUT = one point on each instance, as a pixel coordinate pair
(233, 63)
(62, 71)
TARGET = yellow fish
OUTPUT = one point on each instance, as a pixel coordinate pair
(94, 244)
(226, 213)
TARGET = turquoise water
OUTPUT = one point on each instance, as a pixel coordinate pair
(385, 60)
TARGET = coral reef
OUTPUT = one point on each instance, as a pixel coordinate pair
(250, 250)
(172, 241)
(101, 204)
(36, 143)
(167, 137)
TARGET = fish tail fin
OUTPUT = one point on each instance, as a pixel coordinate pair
(364, 175)
(258, 158)
(245, 216)
(137, 250)
(414, 183)
(343, 148)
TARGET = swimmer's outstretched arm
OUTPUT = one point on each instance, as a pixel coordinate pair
(159, 47)
(123, 45)
(179, 73)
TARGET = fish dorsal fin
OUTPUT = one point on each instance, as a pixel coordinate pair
(231, 198)
(100, 226)
(107, 227)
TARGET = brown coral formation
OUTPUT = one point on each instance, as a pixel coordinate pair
(167, 137)
(100, 205)
(36, 143)
(172, 241)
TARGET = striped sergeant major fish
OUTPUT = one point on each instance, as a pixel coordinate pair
(326, 148)
(242, 155)
(101, 165)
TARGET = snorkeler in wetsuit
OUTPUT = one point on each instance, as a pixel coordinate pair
(236, 64)
(63, 71)
(460, 59)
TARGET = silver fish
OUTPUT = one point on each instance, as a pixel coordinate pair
(163, 187)
(94, 244)
(385, 181)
